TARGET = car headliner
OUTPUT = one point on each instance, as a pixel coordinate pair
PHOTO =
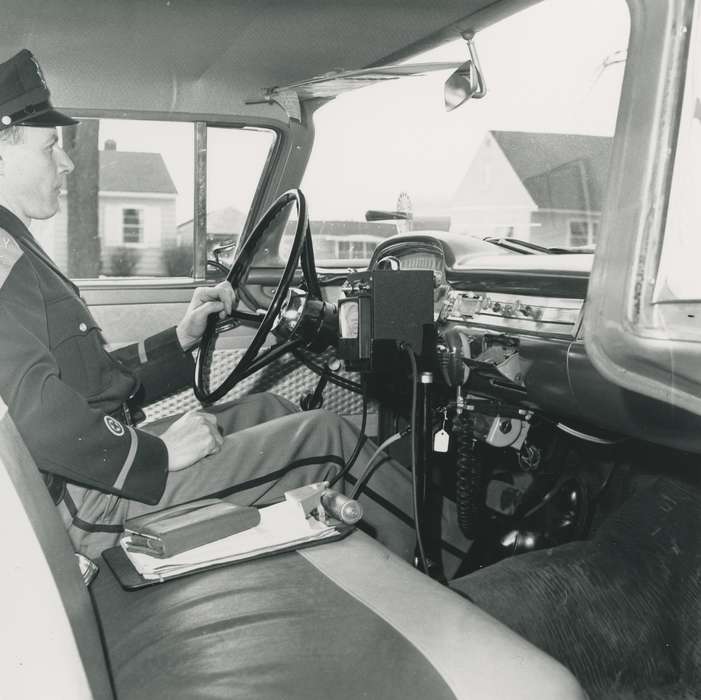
(209, 56)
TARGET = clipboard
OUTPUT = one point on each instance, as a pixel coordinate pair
(130, 579)
(302, 519)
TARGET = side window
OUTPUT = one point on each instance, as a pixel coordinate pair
(678, 278)
(529, 160)
(235, 162)
(128, 208)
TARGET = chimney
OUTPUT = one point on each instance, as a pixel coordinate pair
(110, 145)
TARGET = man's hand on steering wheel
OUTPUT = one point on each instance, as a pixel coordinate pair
(221, 299)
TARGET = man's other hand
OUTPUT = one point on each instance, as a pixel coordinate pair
(205, 301)
(192, 437)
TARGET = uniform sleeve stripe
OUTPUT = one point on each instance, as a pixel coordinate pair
(128, 462)
(141, 348)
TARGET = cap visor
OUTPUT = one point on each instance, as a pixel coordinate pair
(49, 118)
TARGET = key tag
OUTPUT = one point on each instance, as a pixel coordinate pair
(441, 439)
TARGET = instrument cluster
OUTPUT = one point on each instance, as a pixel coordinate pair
(411, 259)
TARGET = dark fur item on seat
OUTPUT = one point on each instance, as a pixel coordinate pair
(622, 611)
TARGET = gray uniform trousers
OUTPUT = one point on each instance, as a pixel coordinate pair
(270, 446)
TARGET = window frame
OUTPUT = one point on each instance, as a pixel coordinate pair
(625, 337)
(101, 291)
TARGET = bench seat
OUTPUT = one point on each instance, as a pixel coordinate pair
(342, 620)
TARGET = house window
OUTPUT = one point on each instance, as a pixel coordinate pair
(132, 225)
(594, 227)
(355, 250)
(583, 232)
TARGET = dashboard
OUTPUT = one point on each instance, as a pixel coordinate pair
(539, 295)
(516, 321)
(513, 313)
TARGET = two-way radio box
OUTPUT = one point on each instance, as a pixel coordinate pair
(382, 309)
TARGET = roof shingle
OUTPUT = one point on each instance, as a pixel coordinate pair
(560, 171)
(125, 171)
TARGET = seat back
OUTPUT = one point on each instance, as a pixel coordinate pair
(51, 644)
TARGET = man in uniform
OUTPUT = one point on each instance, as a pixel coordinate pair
(70, 398)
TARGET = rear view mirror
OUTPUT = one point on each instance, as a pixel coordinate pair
(224, 255)
(461, 86)
(466, 82)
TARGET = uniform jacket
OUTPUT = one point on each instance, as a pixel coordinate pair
(65, 391)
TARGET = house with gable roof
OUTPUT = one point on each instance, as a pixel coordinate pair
(136, 211)
(544, 188)
(224, 226)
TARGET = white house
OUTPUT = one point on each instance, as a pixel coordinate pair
(224, 226)
(136, 212)
(544, 188)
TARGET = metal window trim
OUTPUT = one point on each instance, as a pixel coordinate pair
(199, 218)
(262, 196)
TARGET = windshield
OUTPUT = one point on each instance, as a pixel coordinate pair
(529, 161)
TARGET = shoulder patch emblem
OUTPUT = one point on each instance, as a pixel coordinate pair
(10, 253)
(114, 426)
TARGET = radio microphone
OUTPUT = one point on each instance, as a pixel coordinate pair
(345, 509)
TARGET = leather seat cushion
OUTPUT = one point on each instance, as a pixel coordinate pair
(270, 628)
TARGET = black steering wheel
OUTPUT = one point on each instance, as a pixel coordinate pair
(251, 360)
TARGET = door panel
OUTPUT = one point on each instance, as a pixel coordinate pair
(287, 377)
(124, 320)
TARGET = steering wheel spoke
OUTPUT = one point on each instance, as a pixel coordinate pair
(271, 354)
(237, 318)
